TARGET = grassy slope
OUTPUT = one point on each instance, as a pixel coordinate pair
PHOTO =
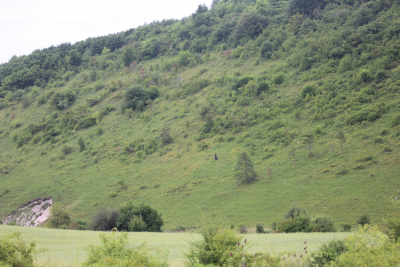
(172, 179)
(66, 248)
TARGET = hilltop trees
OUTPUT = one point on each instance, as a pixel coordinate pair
(244, 171)
(250, 26)
(128, 56)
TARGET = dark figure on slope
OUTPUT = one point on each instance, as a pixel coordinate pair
(216, 157)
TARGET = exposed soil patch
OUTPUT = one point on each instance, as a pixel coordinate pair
(32, 213)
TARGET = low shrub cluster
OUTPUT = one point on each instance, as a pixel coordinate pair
(296, 220)
(368, 247)
(114, 251)
(223, 247)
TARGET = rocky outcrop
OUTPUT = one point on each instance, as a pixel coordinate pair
(32, 213)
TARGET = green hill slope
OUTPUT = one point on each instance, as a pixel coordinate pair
(275, 79)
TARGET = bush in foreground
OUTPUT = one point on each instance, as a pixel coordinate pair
(369, 247)
(114, 251)
(223, 247)
(14, 251)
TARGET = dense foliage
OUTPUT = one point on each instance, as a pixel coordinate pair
(14, 251)
(59, 217)
(114, 251)
(223, 247)
(296, 220)
(141, 218)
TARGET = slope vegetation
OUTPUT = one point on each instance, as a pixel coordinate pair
(308, 89)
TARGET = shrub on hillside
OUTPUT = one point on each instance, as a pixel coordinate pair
(278, 78)
(114, 251)
(262, 87)
(104, 220)
(136, 96)
(63, 99)
(364, 75)
(294, 211)
(165, 135)
(193, 87)
(65, 150)
(150, 147)
(380, 76)
(308, 90)
(85, 123)
(150, 217)
(243, 82)
(266, 50)
(395, 121)
(363, 219)
(299, 223)
(322, 224)
(370, 113)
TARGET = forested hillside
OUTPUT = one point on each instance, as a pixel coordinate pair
(308, 89)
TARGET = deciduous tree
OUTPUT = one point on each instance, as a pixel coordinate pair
(244, 171)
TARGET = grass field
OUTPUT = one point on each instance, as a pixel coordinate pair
(67, 247)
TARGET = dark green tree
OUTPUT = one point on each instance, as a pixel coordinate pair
(81, 144)
(73, 58)
(244, 171)
(304, 7)
(165, 135)
(342, 139)
(266, 50)
(59, 216)
(309, 139)
(250, 25)
(135, 98)
(128, 56)
(126, 215)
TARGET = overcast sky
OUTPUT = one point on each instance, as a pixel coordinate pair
(27, 25)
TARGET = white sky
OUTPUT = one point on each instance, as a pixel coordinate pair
(27, 25)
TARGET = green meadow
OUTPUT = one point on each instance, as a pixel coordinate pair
(68, 247)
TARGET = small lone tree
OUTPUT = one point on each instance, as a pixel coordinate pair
(342, 139)
(310, 141)
(59, 216)
(293, 154)
(81, 144)
(244, 170)
(165, 137)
